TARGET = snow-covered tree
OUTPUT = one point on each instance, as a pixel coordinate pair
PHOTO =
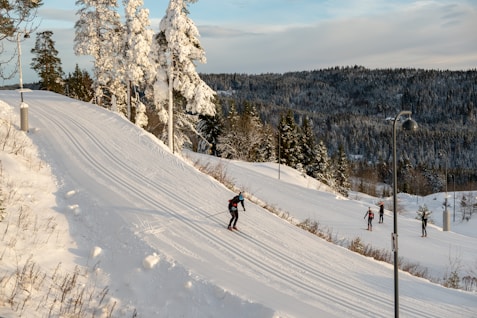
(47, 63)
(289, 144)
(323, 171)
(99, 33)
(229, 142)
(138, 41)
(267, 147)
(342, 183)
(308, 146)
(176, 49)
(246, 138)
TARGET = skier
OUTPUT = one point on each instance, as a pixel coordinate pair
(381, 212)
(370, 215)
(424, 216)
(233, 209)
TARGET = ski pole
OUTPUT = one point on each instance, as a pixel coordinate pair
(209, 216)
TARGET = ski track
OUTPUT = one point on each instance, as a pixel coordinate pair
(263, 267)
(269, 261)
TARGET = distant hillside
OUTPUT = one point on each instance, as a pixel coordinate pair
(349, 106)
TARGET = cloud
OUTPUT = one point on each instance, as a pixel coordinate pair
(425, 36)
(50, 17)
(375, 34)
(221, 32)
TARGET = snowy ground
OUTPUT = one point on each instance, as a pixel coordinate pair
(90, 191)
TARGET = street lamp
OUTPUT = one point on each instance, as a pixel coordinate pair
(23, 106)
(408, 124)
(445, 215)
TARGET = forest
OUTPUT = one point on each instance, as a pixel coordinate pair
(354, 107)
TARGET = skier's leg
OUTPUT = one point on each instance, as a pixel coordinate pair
(232, 219)
(236, 218)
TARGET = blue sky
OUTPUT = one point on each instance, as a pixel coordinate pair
(259, 36)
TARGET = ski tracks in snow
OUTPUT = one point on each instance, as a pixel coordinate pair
(175, 221)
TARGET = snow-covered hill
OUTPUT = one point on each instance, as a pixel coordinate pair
(147, 227)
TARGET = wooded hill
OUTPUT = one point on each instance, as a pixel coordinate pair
(355, 107)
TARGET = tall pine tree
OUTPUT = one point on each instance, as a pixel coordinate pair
(177, 48)
(323, 171)
(138, 40)
(308, 145)
(47, 63)
(342, 172)
(99, 33)
(289, 145)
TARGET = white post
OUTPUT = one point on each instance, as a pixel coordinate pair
(171, 108)
(128, 101)
(445, 215)
(23, 106)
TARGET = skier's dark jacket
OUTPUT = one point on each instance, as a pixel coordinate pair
(235, 200)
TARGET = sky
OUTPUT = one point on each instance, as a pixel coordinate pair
(260, 36)
(90, 196)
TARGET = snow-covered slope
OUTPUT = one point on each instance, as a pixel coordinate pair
(158, 226)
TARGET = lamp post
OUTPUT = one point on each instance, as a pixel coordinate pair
(453, 181)
(408, 124)
(23, 106)
(445, 215)
(279, 151)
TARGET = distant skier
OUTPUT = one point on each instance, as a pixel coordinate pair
(370, 215)
(381, 212)
(424, 216)
(233, 209)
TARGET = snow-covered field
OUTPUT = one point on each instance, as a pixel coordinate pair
(90, 193)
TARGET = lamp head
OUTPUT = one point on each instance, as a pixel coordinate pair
(409, 124)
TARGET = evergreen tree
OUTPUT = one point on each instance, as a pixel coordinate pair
(289, 146)
(229, 142)
(136, 55)
(210, 128)
(99, 34)
(47, 63)
(79, 85)
(245, 137)
(323, 171)
(176, 49)
(308, 146)
(266, 152)
(252, 131)
(342, 173)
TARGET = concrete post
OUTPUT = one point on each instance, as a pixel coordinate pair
(446, 220)
(24, 116)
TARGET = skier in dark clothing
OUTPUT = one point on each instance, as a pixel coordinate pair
(370, 215)
(233, 209)
(381, 212)
(424, 216)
